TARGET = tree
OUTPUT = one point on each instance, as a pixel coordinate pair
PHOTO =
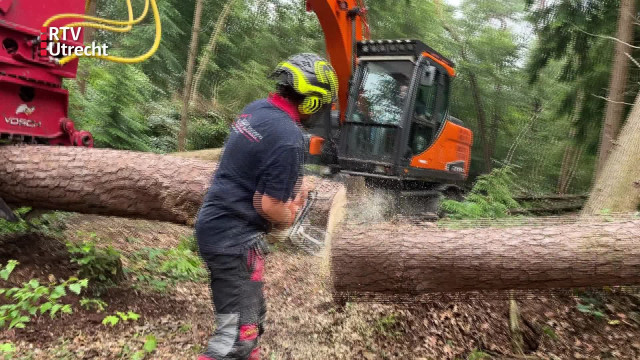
(617, 189)
(572, 152)
(487, 54)
(571, 34)
(88, 36)
(114, 105)
(210, 49)
(188, 81)
(617, 85)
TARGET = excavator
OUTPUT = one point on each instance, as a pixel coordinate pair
(390, 125)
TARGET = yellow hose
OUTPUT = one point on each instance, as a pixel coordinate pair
(97, 19)
(134, 60)
(128, 24)
(93, 18)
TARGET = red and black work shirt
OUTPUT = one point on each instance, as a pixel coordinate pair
(264, 153)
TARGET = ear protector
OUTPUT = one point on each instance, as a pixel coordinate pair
(310, 105)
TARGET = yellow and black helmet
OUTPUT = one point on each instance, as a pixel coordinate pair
(312, 77)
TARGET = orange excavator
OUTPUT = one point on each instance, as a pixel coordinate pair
(392, 124)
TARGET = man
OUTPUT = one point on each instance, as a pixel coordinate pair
(256, 188)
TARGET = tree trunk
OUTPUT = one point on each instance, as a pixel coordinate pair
(387, 260)
(617, 189)
(475, 92)
(495, 121)
(619, 76)
(482, 123)
(574, 168)
(210, 48)
(107, 182)
(571, 151)
(193, 50)
(83, 74)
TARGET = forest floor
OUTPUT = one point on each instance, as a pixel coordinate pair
(303, 322)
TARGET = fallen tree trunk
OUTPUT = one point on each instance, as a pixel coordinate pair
(391, 259)
(106, 182)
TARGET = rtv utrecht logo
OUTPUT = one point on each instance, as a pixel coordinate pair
(51, 45)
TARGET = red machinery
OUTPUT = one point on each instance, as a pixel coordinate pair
(33, 104)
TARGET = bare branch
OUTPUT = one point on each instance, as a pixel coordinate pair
(633, 60)
(611, 101)
(608, 37)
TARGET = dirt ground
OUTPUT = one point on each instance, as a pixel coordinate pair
(303, 322)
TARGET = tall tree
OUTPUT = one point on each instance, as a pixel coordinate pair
(572, 152)
(210, 49)
(186, 93)
(83, 72)
(617, 85)
(487, 53)
(619, 191)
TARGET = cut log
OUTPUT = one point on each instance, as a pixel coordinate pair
(403, 259)
(107, 182)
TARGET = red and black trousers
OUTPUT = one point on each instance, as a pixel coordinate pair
(238, 299)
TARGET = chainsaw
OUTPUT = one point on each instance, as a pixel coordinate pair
(302, 233)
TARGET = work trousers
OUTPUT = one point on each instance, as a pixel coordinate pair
(238, 299)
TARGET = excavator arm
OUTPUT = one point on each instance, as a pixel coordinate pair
(342, 22)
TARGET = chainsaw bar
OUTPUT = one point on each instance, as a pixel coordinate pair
(302, 234)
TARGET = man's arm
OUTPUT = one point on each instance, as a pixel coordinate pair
(280, 213)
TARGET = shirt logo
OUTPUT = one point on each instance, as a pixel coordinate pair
(241, 126)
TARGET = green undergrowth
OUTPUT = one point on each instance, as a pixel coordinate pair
(492, 197)
(23, 303)
(101, 265)
(160, 268)
(51, 223)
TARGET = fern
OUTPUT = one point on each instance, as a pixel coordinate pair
(491, 197)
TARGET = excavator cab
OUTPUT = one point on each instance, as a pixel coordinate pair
(396, 125)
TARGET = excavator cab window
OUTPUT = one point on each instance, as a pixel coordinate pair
(430, 108)
(375, 115)
(382, 92)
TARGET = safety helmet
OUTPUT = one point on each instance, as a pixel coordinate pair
(310, 76)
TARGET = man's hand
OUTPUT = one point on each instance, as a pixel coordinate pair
(281, 214)
(308, 184)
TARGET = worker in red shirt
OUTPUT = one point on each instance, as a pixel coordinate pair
(256, 188)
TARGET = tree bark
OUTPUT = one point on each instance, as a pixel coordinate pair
(388, 260)
(617, 189)
(188, 80)
(107, 182)
(619, 76)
